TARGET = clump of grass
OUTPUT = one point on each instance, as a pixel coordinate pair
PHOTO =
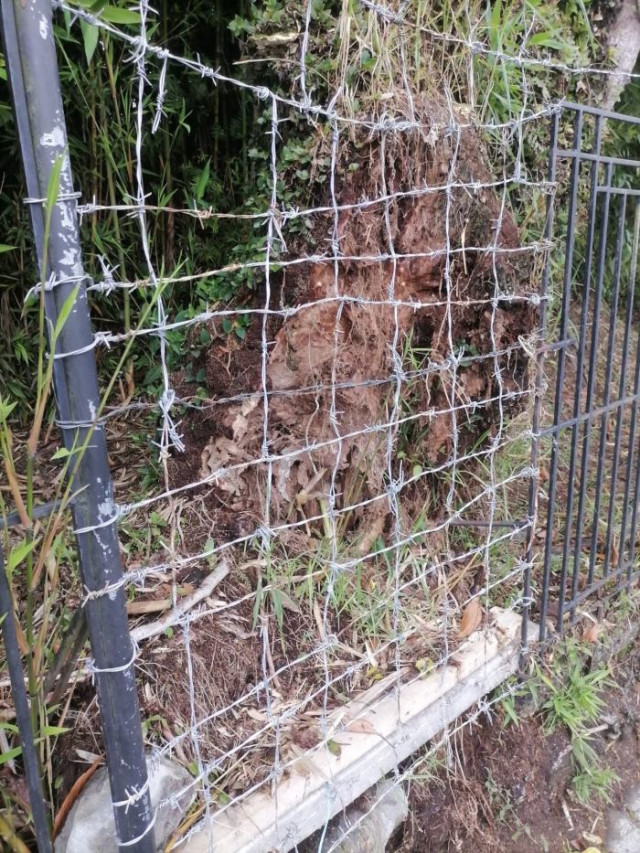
(594, 783)
(576, 701)
(572, 698)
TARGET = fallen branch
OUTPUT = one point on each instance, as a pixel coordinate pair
(143, 608)
(153, 629)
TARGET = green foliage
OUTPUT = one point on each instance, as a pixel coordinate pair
(562, 29)
(576, 701)
(576, 697)
(569, 696)
(594, 783)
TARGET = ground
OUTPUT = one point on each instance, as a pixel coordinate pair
(507, 786)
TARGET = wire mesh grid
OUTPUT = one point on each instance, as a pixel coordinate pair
(351, 496)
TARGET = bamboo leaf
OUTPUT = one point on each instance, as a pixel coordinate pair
(90, 36)
(66, 309)
(61, 453)
(19, 553)
(119, 16)
(10, 754)
(53, 731)
(6, 408)
(203, 180)
(53, 187)
(546, 40)
(496, 14)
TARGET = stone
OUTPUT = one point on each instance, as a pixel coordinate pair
(632, 803)
(623, 835)
(91, 825)
(367, 827)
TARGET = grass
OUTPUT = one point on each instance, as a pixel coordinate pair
(576, 703)
(572, 697)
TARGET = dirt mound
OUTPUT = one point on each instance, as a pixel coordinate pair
(397, 340)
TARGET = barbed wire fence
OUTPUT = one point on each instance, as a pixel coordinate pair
(370, 490)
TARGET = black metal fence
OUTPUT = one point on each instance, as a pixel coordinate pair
(585, 541)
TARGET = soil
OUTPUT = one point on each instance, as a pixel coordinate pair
(509, 787)
(330, 365)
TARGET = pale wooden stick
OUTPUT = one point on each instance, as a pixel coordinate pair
(152, 629)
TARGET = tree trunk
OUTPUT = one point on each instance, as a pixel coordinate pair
(624, 43)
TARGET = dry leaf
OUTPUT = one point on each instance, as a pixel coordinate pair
(592, 633)
(363, 727)
(258, 716)
(371, 535)
(288, 603)
(471, 618)
(89, 757)
(615, 553)
(72, 796)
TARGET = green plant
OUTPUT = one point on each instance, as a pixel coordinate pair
(593, 784)
(32, 561)
(575, 702)
(500, 800)
(575, 698)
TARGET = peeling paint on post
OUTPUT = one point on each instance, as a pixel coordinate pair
(33, 74)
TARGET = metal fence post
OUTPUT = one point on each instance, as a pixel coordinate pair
(35, 84)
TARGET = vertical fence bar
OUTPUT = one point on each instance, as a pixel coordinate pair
(633, 444)
(33, 74)
(591, 386)
(582, 347)
(634, 520)
(631, 450)
(564, 326)
(23, 715)
(604, 421)
(540, 384)
(620, 415)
